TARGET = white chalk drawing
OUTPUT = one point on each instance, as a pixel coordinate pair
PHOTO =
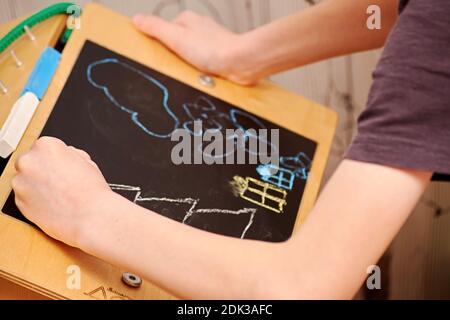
(189, 201)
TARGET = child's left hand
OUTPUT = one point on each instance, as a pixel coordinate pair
(60, 189)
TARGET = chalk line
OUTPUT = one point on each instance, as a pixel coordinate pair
(190, 201)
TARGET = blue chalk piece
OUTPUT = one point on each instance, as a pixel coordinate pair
(43, 73)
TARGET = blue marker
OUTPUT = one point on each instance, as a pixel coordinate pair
(24, 108)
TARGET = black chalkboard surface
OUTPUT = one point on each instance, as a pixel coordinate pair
(123, 113)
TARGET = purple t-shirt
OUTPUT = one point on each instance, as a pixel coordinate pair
(406, 122)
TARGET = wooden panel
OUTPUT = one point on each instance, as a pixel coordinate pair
(7, 11)
(29, 6)
(421, 251)
(12, 291)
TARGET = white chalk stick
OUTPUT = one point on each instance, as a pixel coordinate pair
(16, 123)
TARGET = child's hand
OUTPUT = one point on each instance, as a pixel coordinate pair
(202, 42)
(60, 189)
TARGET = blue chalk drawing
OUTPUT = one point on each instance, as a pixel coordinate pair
(203, 109)
(134, 114)
(300, 164)
(235, 112)
(284, 178)
(233, 115)
(290, 168)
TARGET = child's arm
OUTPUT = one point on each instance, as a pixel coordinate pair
(329, 29)
(357, 215)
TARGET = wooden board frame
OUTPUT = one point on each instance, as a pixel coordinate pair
(31, 259)
(47, 34)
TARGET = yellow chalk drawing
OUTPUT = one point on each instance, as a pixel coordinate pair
(268, 196)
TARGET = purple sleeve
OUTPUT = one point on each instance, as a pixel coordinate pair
(407, 120)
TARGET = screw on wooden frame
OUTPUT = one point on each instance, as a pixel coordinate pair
(131, 280)
(207, 81)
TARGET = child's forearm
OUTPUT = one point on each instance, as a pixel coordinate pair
(347, 231)
(351, 225)
(329, 29)
(187, 262)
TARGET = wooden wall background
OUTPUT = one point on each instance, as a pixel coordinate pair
(420, 255)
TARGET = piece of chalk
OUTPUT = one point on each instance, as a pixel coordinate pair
(43, 73)
(16, 123)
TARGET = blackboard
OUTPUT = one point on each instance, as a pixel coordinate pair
(122, 113)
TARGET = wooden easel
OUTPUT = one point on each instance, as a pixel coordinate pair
(47, 34)
(23, 249)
